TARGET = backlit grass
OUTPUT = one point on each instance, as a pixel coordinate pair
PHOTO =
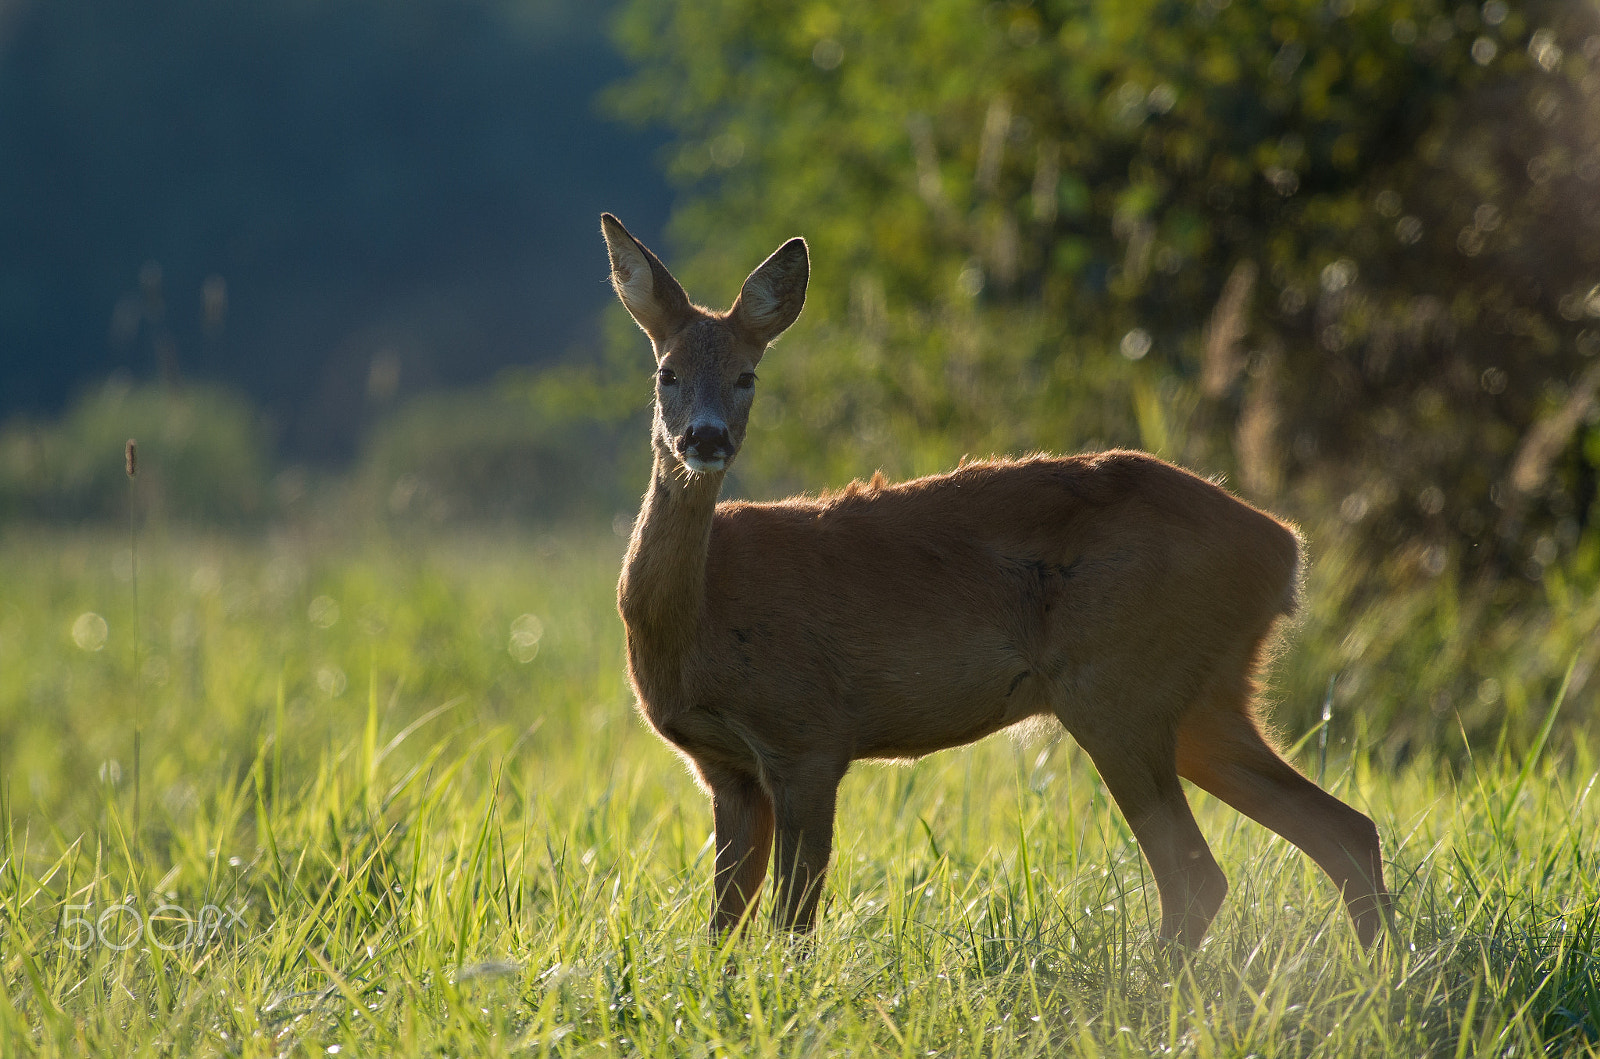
(432, 825)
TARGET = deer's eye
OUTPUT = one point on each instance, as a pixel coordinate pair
(667, 377)
(747, 380)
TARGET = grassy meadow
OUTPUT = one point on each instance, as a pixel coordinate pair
(391, 798)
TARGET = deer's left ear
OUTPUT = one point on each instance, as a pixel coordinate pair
(774, 294)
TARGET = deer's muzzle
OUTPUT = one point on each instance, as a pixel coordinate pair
(705, 447)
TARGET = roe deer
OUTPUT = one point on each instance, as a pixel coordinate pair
(772, 644)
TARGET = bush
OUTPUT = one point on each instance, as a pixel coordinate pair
(524, 450)
(203, 455)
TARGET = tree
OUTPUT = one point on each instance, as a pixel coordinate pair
(1346, 251)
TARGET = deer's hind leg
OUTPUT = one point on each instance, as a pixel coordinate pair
(1222, 751)
(1141, 774)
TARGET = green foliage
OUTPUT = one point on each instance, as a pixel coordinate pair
(202, 455)
(532, 448)
(535, 447)
(1434, 667)
(1347, 251)
(413, 771)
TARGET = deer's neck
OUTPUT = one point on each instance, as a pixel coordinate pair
(663, 587)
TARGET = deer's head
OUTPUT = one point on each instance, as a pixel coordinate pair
(705, 360)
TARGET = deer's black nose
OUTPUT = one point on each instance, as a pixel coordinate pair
(705, 442)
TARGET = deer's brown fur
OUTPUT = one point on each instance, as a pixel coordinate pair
(774, 643)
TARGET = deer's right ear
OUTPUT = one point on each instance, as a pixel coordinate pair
(649, 293)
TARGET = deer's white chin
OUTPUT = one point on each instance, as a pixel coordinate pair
(699, 466)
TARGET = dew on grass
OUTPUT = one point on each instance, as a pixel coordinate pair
(90, 631)
(331, 681)
(526, 632)
(323, 612)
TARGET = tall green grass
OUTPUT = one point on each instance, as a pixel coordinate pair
(432, 825)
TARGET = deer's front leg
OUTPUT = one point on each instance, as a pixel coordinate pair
(742, 815)
(804, 807)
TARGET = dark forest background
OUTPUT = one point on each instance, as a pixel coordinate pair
(326, 205)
